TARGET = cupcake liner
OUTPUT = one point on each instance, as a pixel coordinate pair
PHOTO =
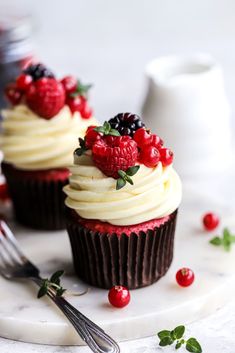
(134, 261)
(38, 202)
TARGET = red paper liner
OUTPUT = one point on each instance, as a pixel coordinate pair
(37, 197)
(134, 261)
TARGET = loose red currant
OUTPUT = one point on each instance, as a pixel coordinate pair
(75, 103)
(86, 111)
(185, 277)
(166, 156)
(70, 84)
(119, 296)
(13, 94)
(91, 136)
(210, 221)
(23, 82)
(149, 156)
(142, 137)
(156, 141)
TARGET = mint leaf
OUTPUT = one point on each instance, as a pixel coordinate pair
(216, 241)
(166, 341)
(107, 130)
(120, 183)
(178, 345)
(178, 332)
(192, 345)
(43, 289)
(55, 278)
(164, 333)
(60, 292)
(132, 170)
(129, 180)
(114, 132)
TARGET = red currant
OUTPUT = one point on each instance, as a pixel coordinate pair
(185, 277)
(119, 296)
(210, 221)
(156, 141)
(13, 94)
(91, 136)
(86, 111)
(75, 103)
(4, 195)
(166, 156)
(142, 137)
(24, 81)
(149, 156)
(69, 83)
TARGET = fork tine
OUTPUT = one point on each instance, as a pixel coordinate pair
(9, 250)
(11, 240)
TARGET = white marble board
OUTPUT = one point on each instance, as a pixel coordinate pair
(23, 317)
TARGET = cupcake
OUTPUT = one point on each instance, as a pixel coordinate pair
(39, 134)
(121, 207)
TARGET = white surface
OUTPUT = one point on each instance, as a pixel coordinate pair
(164, 304)
(186, 104)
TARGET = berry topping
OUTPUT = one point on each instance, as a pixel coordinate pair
(113, 153)
(75, 103)
(70, 84)
(119, 296)
(23, 82)
(185, 277)
(86, 111)
(13, 94)
(142, 137)
(91, 137)
(46, 97)
(156, 141)
(210, 221)
(126, 123)
(166, 156)
(149, 156)
(37, 71)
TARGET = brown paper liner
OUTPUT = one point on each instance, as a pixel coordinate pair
(38, 201)
(134, 261)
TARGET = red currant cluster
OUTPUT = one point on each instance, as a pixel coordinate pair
(45, 95)
(151, 150)
(76, 96)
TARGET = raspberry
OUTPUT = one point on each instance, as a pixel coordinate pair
(46, 97)
(126, 123)
(113, 153)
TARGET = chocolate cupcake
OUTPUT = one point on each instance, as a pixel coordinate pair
(40, 132)
(121, 205)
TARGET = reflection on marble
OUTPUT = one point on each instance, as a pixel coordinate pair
(164, 304)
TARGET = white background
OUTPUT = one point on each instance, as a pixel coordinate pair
(110, 42)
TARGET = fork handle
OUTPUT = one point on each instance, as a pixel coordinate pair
(90, 333)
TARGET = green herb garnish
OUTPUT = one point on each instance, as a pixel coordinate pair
(81, 89)
(226, 240)
(125, 177)
(82, 149)
(167, 338)
(52, 283)
(106, 129)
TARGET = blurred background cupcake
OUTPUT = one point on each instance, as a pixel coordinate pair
(40, 132)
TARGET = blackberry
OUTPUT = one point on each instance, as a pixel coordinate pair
(38, 71)
(126, 123)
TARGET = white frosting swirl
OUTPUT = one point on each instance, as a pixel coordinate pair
(32, 143)
(156, 193)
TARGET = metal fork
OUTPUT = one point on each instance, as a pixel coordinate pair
(14, 264)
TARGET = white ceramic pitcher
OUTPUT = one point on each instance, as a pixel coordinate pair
(186, 104)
